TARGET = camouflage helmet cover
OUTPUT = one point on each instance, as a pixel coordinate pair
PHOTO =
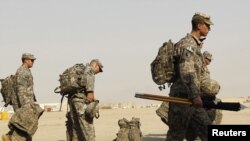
(210, 87)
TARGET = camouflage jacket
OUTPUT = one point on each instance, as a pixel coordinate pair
(189, 68)
(205, 76)
(24, 86)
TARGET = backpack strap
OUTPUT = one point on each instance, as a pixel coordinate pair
(56, 90)
(6, 104)
(61, 103)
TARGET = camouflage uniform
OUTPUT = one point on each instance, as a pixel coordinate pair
(24, 122)
(79, 125)
(215, 115)
(25, 86)
(187, 85)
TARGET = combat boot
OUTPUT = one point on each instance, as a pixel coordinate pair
(6, 137)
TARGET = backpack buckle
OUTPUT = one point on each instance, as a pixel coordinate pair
(161, 87)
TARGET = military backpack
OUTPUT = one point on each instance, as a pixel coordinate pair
(8, 89)
(162, 67)
(71, 80)
(129, 130)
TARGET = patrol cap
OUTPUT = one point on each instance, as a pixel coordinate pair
(207, 55)
(28, 56)
(202, 18)
(98, 63)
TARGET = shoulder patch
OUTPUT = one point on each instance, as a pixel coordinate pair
(190, 49)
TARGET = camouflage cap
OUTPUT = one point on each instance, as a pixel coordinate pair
(28, 56)
(207, 55)
(202, 18)
(98, 63)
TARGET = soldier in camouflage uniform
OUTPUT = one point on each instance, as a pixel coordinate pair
(189, 67)
(215, 115)
(80, 117)
(24, 122)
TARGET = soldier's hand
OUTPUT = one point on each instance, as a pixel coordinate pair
(197, 102)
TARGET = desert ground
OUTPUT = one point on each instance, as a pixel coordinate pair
(52, 124)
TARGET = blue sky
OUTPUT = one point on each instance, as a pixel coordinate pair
(125, 36)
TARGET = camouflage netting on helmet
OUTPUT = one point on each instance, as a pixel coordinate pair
(210, 87)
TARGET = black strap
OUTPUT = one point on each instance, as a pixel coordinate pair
(61, 103)
(56, 90)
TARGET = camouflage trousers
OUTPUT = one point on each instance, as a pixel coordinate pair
(181, 117)
(79, 126)
(215, 117)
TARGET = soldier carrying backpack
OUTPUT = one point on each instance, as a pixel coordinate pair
(77, 83)
(163, 71)
(17, 90)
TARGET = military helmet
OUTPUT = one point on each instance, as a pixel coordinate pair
(210, 87)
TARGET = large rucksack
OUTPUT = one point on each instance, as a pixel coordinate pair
(71, 80)
(129, 130)
(8, 89)
(162, 67)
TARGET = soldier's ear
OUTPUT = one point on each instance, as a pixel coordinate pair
(199, 26)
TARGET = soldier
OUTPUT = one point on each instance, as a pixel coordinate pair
(207, 84)
(215, 115)
(82, 104)
(162, 111)
(189, 67)
(24, 122)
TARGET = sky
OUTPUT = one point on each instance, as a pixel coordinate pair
(125, 35)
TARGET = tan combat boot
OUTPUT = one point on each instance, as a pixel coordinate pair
(6, 137)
